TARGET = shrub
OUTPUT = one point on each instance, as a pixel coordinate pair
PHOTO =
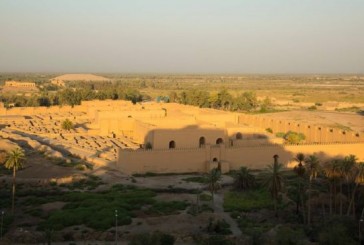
(294, 137)
(219, 227)
(335, 234)
(157, 238)
(205, 197)
(148, 146)
(247, 201)
(269, 130)
(312, 108)
(213, 240)
(96, 210)
(167, 208)
(67, 125)
(280, 135)
(287, 235)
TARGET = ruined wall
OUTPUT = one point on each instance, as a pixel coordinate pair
(32, 111)
(313, 133)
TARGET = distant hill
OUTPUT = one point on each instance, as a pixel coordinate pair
(80, 77)
(60, 80)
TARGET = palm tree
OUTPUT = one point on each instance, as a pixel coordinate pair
(300, 171)
(244, 179)
(300, 158)
(14, 162)
(213, 181)
(273, 179)
(359, 179)
(312, 165)
(332, 170)
(347, 171)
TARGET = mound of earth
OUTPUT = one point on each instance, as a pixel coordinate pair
(81, 77)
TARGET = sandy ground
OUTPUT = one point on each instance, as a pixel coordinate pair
(332, 119)
(38, 167)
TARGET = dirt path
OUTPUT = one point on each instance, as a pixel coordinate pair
(219, 210)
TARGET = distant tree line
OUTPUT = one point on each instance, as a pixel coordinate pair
(73, 96)
(223, 100)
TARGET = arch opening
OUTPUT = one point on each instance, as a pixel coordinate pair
(172, 144)
(239, 136)
(219, 141)
(202, 142)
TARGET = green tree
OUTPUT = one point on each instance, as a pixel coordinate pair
(224, 99)
(244, 179)
(312, 165)
(294, 137)
(14, 161)
(266, 105)
(273, 179)
(67, 125)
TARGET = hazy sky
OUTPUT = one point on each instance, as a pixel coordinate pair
(184, 36)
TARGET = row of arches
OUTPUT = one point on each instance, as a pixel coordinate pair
(201, 143)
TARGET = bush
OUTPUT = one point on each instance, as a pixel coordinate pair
(67, 125)
(157, 238)
(287, 235)
(8, 220)
(167, 208)
(213, 240)
(205, 197)
(280, 135)
(269, 130)
(312, 108)
(294, 137)
(96, 210)
(148, 146)
(219, 227)
(335, 234)
(247, 201)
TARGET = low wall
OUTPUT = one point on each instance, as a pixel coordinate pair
(313, 133)
(164, 161)
(255, 157)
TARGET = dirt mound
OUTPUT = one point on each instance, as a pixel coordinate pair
(81, 77)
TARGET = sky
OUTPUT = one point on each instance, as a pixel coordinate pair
(182, 36)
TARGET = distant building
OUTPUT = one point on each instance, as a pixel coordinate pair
(16, 84)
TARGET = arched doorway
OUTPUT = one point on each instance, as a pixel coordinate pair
(172, 144)
(202, 142)
(215, 160)
(239, 136)
(219, 141)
